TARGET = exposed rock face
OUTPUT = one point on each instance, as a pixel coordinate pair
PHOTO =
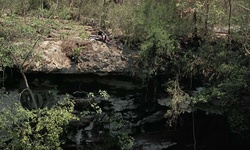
(77, 55)
(101, 58)
(48, 57)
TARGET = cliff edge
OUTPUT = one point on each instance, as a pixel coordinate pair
(69, 51)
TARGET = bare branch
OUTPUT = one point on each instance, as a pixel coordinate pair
(27, 56)
(28, 88)
(248, 9)
(20, 67)
(3, 8)
(52, 13)
(247, 51)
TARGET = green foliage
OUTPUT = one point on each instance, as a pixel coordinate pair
(34, 4)
(27, 28)
(101, 93)
(64, 14)
(5, 60)
(18, 36)
(125, 141)
(157, 40)
(119, 133)
(122, 19)
(175, 44)
(93, 103)
(35, 129)
(166, 34)
(225, 81)
(205, 95)
(83, 34)
(155, 50)
(77, 52)
(180, 102)
(117, 136)
(238, 122)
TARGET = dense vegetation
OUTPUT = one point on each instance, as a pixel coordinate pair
(201, 46)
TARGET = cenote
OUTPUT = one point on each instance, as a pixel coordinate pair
(131, 102)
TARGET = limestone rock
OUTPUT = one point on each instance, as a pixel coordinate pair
(77, 55)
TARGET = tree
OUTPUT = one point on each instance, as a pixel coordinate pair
(35, 129)
(32, 127)
(168, 44)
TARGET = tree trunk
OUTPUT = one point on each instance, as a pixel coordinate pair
(118, 1)
(80, 10)
(206, 18)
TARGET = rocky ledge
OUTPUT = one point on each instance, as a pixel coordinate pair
(75, 54)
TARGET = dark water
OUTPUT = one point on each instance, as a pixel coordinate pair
(212, 132)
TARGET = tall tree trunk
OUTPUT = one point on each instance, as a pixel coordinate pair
(195, 24)
(80, 10)
(20, 67)
(229, 18)
(229, 25)
(206, 18)
(29, 89)
(71, 3)
(118, 1)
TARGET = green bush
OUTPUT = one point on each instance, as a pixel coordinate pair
(34, 129)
